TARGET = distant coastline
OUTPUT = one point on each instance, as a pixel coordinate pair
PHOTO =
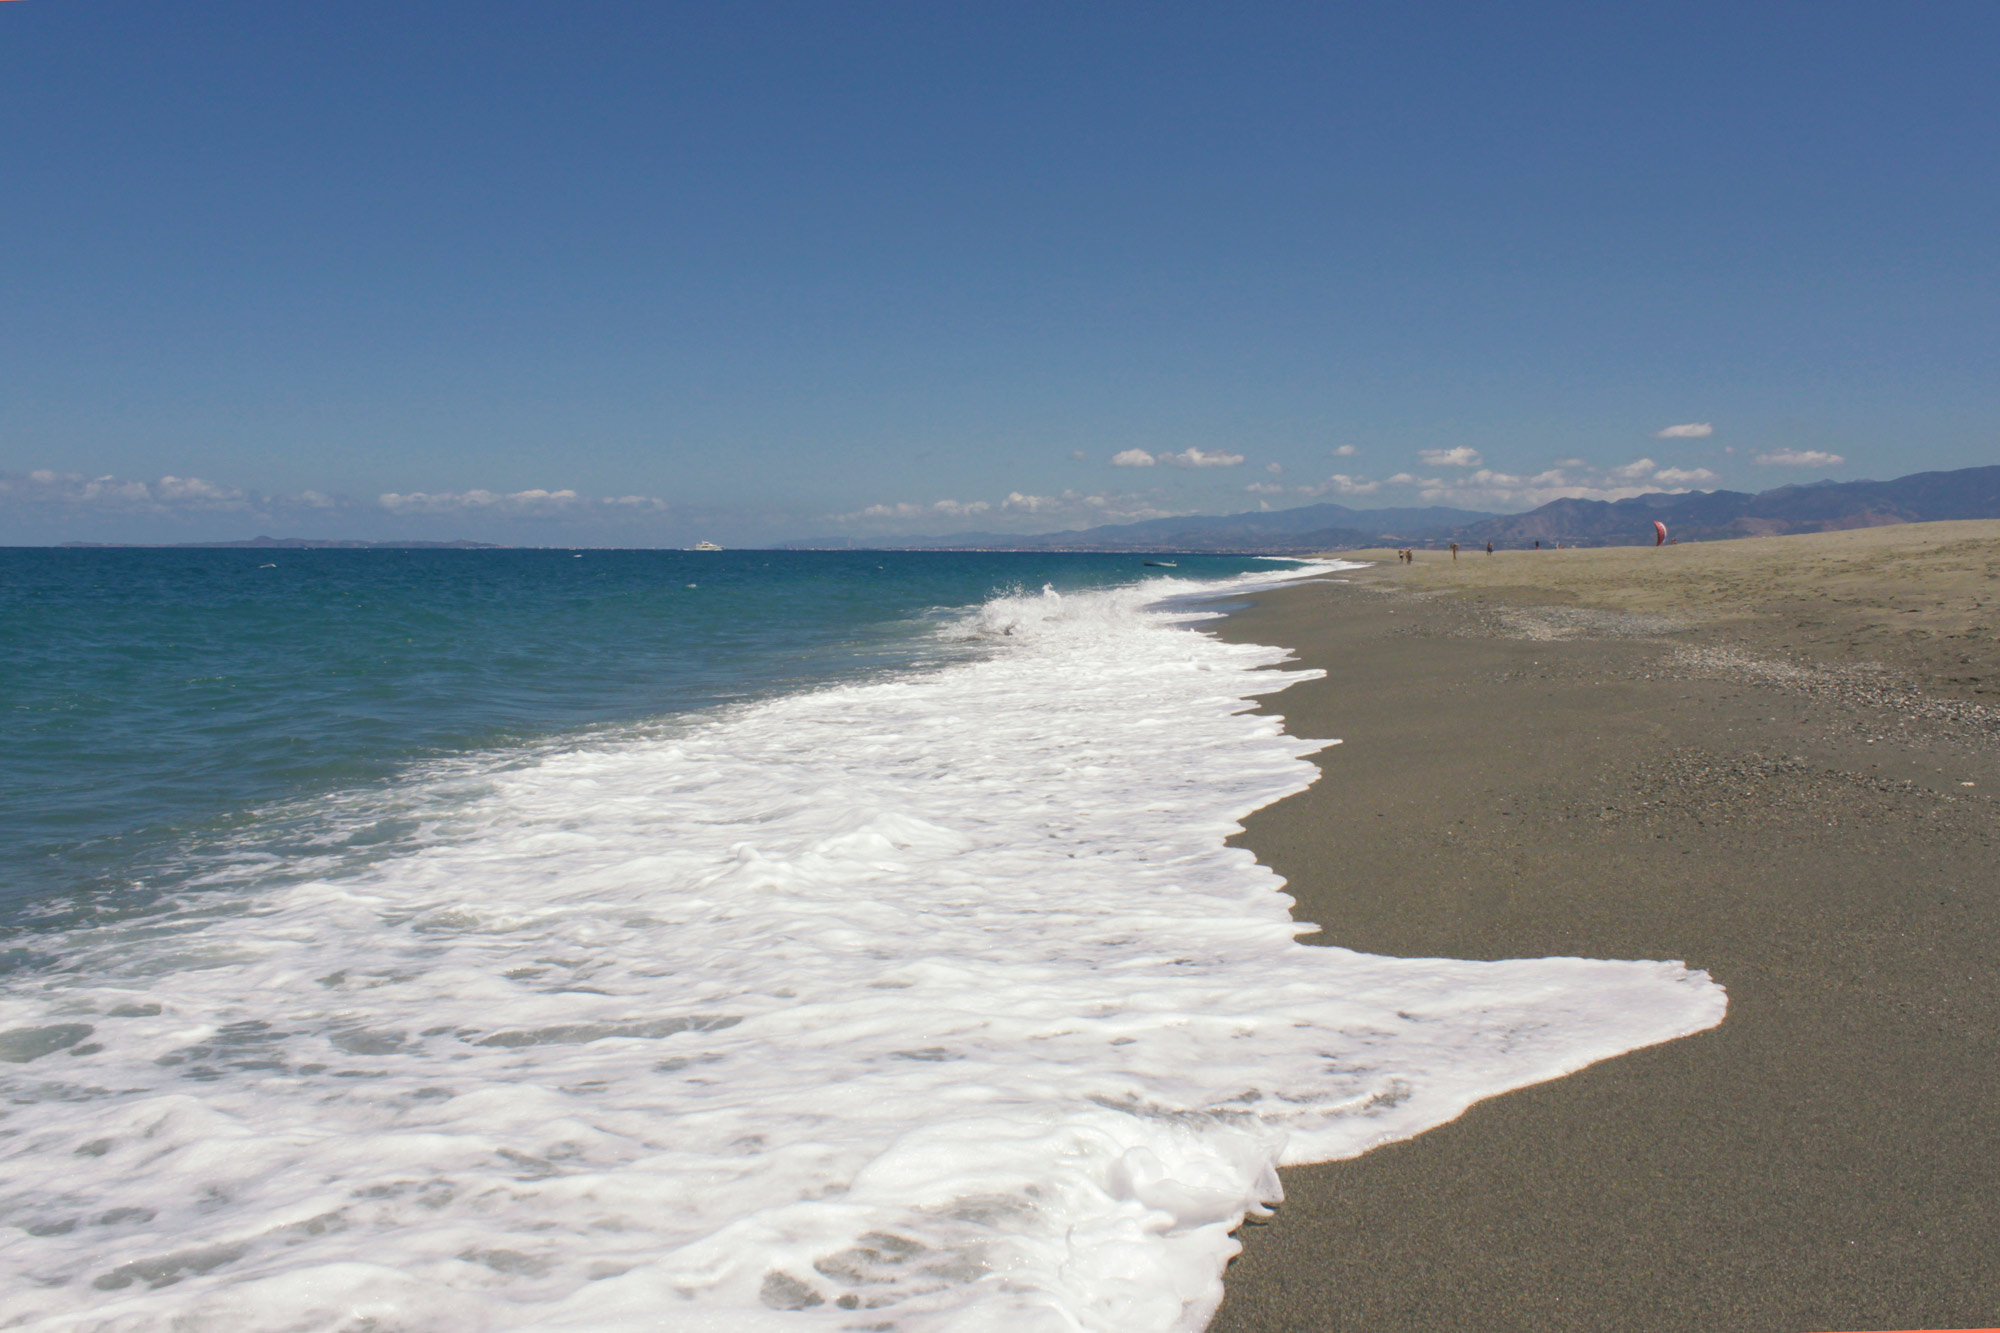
(1697, 516)
(1827, 506)
(288, 544)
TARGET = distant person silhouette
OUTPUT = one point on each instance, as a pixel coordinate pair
(1454, 550)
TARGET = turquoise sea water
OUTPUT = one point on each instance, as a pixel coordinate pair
(169, 711)
(626, 940)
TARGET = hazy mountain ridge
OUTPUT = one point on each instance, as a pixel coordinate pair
(1306, 528)
(1690, 516)
(1921, 497)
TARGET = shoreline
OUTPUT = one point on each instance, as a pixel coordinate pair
(1534, 768)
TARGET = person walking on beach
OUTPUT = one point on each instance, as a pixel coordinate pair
(1489, 548)
(1454, 550)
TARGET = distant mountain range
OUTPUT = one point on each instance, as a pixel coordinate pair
(1825, 506)
(1308, 528)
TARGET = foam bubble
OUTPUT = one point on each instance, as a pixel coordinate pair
(931, 1003)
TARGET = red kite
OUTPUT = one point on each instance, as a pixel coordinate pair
(1659, 533)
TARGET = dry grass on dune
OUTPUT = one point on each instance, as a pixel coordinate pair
(1924, 597)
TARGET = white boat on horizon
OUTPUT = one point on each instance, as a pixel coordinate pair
(705, 546)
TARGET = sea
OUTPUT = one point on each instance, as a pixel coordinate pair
(600, 940)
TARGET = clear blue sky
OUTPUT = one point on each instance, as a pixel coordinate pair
(758, 271)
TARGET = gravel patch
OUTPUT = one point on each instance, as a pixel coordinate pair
(1583, 622)
(1863, 685)
(1697, 784)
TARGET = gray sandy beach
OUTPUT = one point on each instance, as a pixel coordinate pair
(1776, 789)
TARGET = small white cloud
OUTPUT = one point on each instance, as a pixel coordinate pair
(1800, 458)
(936, 508)
(1274, 468)
(1019, 512)
(1265, 488)
(1345, 451)
(1079, 455)
(167, 495)
(1019, 503)
(1693, 430)
(1488, 489)
(171, 490)
(534, 500)
(1197, 458)
(1132, 458)
(1463, 456)
(1341, 484)
(1571, 462)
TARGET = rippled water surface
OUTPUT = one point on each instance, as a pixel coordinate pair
(499, 940)
(153, 699)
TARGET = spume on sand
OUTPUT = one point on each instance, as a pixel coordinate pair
(934, 1003)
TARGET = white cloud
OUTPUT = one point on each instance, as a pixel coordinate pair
(1265, 488)
(535, 502)
(182, 490)
(1345, 451)
(478, 499)
(1800, 458)
(1463, 456)
(1693, 430)
(1274, 468)
(1079, 455)
(1196, 458)
(195, 495)
(1132, 458)
(1489, 489)
(178, 507)
(1019, 512)
(937, 508)
(1342, 484)
(73, 490)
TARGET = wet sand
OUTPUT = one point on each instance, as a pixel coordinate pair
(1770, 783)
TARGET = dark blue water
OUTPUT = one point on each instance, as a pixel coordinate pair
(155, 700)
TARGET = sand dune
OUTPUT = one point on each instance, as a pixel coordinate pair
(1923, 598)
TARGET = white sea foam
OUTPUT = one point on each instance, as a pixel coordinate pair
(935, 1003)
